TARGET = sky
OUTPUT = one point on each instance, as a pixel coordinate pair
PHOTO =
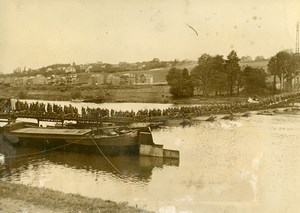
(37, 33)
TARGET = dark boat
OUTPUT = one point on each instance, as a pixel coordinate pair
(111, 140)
(211, 118)
(229, 117)
(93, 100)
(247, 114)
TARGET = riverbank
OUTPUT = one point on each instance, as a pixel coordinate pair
(21, 198)
(108, 93)
(112, 94)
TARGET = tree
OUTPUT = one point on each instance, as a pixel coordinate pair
(285, 66)
(246, 58)
(180, 82)
(210, 74)
(200, 74)
(233, 69)
(217, 76)
(75, 94)
(259, 58)
(273, 70)
(254, 80)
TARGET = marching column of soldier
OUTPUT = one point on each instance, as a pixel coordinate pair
(54, 110)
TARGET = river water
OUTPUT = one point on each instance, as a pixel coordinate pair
(251, 164)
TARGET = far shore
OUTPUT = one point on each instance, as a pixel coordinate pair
(114, 94)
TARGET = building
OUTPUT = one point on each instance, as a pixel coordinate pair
(128, 79)
(70, 70)
(49, 69)
(22, 81)
(96, 79)
(36, 80)
(146, 79)
(8, 80)
(72, 79)
(113, 79)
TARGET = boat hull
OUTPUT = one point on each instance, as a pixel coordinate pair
(113, 145)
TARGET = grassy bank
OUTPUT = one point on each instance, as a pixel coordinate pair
(113, 94)
(145, 93)
(58, 201)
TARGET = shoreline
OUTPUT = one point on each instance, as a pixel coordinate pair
(16, 197)
(118, 94)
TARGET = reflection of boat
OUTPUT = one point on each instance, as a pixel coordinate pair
(111, 139)
(129, 166)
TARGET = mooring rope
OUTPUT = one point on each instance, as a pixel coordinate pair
(106, 157)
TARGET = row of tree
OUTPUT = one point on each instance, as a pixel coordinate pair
(285, 67)
(219, 76)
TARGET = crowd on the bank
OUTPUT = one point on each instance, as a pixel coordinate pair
(54, 110)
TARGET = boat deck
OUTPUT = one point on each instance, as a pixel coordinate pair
(49, 131)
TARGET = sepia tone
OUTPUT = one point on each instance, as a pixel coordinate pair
(149, 106)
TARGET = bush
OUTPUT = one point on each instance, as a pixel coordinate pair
(76, 94)
(22, 94)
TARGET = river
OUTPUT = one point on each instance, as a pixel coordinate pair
(251, 164)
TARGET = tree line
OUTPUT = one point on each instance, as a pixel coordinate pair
(214, 75)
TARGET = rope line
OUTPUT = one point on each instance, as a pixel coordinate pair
(106, 157)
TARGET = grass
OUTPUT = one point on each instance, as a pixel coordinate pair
(60, 201)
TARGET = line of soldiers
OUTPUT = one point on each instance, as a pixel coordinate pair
(172, 112)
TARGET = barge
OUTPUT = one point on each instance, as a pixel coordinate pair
(112, 140)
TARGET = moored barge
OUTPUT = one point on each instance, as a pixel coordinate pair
(112, 140)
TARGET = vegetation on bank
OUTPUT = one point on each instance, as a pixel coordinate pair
(107, 93)
(59, 201)
(217, 76)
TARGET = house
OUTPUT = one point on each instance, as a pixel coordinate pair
(96, 79)
(72, 79)
(128, 79)
(49, 69)
(146, 79)
(61, 68)
(22, 81)
(70, 70)
(36, 80)
(8, 81)
(112, 79)
(53, 80)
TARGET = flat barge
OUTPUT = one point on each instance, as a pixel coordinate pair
(112, 140)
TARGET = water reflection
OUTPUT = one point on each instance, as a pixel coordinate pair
(137, 167)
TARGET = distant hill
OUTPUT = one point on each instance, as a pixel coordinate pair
(255, 64)
(159, 74)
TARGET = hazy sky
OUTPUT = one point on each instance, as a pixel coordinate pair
(36, 33)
